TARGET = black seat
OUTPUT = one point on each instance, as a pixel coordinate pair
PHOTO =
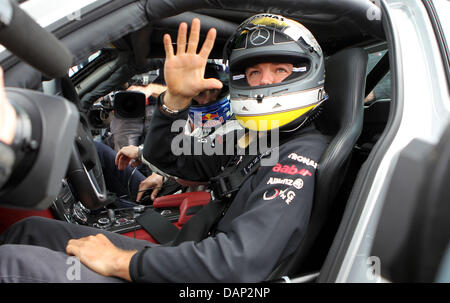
(342, 120)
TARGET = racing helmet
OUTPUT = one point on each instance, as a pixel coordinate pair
(266, 38)
(217, 112)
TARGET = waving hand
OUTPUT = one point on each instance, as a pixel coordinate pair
(184, 71)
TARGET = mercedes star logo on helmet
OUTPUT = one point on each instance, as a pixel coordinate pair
(259, 36)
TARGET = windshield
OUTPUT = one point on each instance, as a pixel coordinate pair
(47, 12)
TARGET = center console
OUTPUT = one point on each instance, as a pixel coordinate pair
(118, 216)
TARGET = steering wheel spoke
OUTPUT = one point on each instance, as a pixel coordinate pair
(85, 171)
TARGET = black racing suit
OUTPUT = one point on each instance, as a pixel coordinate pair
(265, 223)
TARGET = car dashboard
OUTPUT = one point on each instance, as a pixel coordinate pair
(118, 216)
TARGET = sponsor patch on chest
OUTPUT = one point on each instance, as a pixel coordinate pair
(291, 170)
(297, 183)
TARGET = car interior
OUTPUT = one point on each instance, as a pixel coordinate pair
(357, 63)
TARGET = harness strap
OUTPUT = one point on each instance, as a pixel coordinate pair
(237, 172)
(158, 226)
(199, 226)
(203, 223)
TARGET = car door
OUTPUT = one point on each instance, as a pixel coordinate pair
(419, 110)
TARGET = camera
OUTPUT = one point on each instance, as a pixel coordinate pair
(125, 104)
(51, 140)
(129, 104)
(99, 114)
(45, 130)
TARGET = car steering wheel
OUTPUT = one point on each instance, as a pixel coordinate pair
(85, 172)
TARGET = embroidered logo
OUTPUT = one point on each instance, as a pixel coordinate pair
(291, 170)
(271, 197)
(286, 194)
(287, 197)
(297, 183)
(304, 160)
(259, 36)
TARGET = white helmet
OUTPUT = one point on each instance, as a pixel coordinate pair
(285, 105)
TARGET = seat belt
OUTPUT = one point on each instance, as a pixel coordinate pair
(235, 174)
(158, 226)
(224, 187)
(200, 225)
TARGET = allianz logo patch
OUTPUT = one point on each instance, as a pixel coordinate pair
(297, 183)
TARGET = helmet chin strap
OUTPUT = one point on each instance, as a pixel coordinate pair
(296, 128)
(314, 113)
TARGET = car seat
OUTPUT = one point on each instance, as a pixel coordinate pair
(341, 119)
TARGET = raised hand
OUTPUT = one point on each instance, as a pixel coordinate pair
(184, 71)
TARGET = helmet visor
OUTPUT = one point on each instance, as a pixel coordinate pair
(285, 69)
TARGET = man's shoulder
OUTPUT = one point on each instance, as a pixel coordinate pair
(309, 140)
(300, 153)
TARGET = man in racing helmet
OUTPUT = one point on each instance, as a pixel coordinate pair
(277, 78)
(276, 85)
(263, 222)
(286, 90)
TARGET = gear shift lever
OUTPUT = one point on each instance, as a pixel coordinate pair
(112, 215)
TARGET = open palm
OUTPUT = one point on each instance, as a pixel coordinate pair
(184, 71)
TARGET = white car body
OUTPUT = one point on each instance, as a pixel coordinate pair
(423, 110)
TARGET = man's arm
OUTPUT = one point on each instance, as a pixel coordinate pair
(101, 256)
(184, 77)
(168, 149)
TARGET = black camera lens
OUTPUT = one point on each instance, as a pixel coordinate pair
(129, 104)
